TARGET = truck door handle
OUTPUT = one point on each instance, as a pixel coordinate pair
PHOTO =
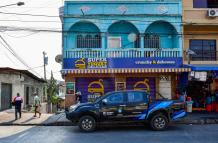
(122, 105)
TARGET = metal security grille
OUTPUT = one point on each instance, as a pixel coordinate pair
(88, 41)
(152, 41)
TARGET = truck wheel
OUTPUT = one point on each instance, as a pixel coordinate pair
(159, 122)
(87, 123)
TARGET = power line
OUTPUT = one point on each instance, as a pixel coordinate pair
(5, 28)
(21, 36)
(23, 14)
(10, 49)
(29, 21)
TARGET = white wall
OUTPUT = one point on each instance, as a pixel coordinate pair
(18, 83)
(15, 80)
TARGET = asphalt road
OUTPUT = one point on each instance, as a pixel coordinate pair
(60, 134)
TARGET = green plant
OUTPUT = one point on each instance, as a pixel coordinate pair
(52, 90)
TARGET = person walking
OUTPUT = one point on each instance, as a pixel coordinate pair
(37, 104)
(78, 97)
(17, 103)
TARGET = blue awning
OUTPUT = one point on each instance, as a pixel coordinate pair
(203, 67)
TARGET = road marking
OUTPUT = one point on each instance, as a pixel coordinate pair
(22, 135)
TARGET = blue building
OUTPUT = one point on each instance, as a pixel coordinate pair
(119, 45)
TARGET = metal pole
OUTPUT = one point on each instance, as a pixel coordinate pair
(44, 65)
(189, 59)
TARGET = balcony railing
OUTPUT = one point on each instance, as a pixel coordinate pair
(121, 53)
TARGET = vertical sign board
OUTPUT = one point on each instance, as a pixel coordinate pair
(70, 88)
(92, 87)
(142, 83)
(165, 86)
(120, 86)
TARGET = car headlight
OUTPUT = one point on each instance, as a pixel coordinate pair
(73, 107)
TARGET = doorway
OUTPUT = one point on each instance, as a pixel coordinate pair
(198, 91)
(6, 96)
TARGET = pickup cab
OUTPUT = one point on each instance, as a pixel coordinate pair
(125, 107)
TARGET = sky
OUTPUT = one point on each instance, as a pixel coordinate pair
(29, 45)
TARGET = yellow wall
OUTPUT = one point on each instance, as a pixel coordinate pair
(197, 25)
(196, 15)
(200, 32)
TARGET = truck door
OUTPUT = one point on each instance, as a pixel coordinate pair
(136, 107)
(112, 107)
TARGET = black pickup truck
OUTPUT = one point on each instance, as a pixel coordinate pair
(126, 106)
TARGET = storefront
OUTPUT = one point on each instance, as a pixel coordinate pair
(203, 87)
(95, 77)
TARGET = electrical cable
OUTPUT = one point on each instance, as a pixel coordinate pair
(10, 49)
(21, 36)
(23, 14)
(5, 28)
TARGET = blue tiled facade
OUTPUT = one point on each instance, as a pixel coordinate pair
(120, 19)
(121, 41)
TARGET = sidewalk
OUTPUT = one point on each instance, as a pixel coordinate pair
(200, 118)
(7, 118)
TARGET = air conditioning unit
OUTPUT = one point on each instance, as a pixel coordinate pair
(213, 12)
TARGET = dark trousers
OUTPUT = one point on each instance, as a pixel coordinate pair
(37, 110)
(17, 110)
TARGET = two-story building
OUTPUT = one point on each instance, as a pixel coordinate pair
(200, 20)
(114, 45)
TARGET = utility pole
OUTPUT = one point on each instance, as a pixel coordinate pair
(45, 63)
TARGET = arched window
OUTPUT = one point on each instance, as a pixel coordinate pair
(97, 41)
(79, 41)
(161, 35)
(152, 41)
(84, 37)
(137, 42)
(120, 34)
(88, 41)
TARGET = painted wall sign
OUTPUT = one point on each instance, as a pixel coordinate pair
(92, 87)
(90, 63)
(141, 83)
(99, 63)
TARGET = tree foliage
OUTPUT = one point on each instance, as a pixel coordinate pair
(52, 90)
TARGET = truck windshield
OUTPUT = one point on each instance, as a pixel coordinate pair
(98, 99)
(101, 97)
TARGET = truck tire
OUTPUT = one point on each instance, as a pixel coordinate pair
(87, 123)
(159, 122)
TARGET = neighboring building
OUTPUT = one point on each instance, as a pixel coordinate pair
(13, 81)
(61, 94)
(122, 45)
(200, 18)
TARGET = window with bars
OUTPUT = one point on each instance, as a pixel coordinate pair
(88, 41)
(212, 3)
(152, 41)
(205, 50)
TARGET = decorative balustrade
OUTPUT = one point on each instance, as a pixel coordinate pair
(121, 53)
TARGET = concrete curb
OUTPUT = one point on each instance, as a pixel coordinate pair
(41, 124)
(199, 121)
(195, 122)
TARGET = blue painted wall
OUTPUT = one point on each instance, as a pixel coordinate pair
(140, 17)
